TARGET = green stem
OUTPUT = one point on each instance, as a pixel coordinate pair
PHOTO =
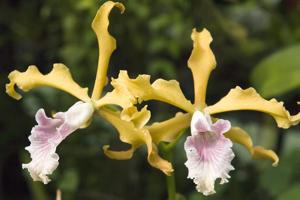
(167, 150)
(170, 180)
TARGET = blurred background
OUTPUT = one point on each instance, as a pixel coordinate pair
(256, 43)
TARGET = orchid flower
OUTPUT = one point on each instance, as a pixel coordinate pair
(209, 148)
(51, 131)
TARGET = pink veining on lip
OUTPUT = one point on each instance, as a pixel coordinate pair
(208, 152)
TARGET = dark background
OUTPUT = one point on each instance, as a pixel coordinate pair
(154, 38)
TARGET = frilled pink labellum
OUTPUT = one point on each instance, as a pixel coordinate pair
(209, 153)
(50, 132)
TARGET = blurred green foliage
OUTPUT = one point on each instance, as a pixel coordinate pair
(279, 67)
(153, 37)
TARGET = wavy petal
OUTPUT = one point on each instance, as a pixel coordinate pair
(106, 43)
(208, 159)
(240, 136)
(136, 137)
(249, 99)
(209, 153)
(139, 118)
(201, 62)
(60, 78)
(128, 92)
(48, 134)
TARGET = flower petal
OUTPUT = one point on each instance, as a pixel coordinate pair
(169, 130)
(240, 136)
(201, 62)
(200, 123)
(139, 118)
(221, 126)
(128, 92)
(208, 152)
(60, 77)
(106, 43)
(48, 134)
(249, 99)
(208, 158)
(136, 137)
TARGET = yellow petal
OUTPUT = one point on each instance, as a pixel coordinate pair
(240, 136)
(128, 92)
(136, 137)
(249, 99)
(139, 118)
(169, 130)
(118, 155)
(106, 43)
(60, 78)
(296, 118)
(201, 62)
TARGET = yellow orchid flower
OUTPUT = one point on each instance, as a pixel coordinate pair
(50, 132)
(208, 149)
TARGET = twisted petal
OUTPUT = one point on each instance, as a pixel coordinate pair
(49, 133)
(128, 92)
(201, 62)
(209, 153)
(130, 134)
(249, 99)
(106, 43)
(240, 136)
(60, 77)
(139, 118)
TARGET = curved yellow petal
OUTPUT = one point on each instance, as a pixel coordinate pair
(106, 43)
(60, 78)
(201, 62)
(249, 99)
(139, 118)
(136, 137)
(240, 136)
(118, 155)
(169, 130)
(128, 92)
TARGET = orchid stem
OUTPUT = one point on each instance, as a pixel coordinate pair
(171, 186)
(167, 150)
(170, 179)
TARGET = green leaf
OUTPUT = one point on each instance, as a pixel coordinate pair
(279, 73)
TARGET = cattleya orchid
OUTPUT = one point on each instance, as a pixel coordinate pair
(51, 131)
(208, 149)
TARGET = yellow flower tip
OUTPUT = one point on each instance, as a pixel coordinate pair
(203, 37)
(262, 153)
(118, 155)
(10, 87)
(156, 161)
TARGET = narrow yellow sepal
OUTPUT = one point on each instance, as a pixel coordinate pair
(240, 136)
(106, 43)
(136, 137)
(249, 99)
(60, 78)
(201, 62)
(128, 92)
